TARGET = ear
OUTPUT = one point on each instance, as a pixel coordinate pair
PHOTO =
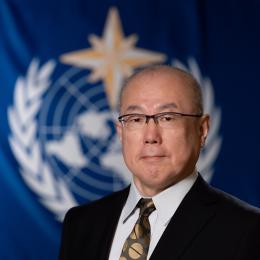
(119, 130)
(204, 128)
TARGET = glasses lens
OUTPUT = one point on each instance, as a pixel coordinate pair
(167, 120)
(134, 121)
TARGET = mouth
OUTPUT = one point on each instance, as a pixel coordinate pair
(152, 157)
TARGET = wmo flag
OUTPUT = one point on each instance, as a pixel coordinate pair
(61, 67)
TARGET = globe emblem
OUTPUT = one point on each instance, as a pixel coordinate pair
(63, 135)
(78, 138)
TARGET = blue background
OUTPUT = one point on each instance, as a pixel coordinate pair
(224, 38)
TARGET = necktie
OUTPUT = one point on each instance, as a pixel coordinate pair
(137, 244)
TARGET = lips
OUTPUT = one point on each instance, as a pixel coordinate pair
(152, 155)
(151, 159)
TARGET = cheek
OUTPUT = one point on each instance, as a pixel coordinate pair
(131, 143)
(181, 144)
(174, 139)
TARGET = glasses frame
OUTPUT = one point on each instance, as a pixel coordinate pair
(156, 116)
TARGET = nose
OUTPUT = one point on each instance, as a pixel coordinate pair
(152, 133)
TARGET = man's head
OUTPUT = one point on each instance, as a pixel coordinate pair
(163, 151)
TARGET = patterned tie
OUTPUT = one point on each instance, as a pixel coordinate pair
(137, 244)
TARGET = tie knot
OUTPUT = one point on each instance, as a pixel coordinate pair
(146, 207)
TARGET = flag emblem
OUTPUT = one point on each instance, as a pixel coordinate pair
(62, 132)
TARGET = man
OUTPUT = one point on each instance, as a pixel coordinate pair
(162, 129)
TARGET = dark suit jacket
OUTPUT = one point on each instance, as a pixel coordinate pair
(208, 225)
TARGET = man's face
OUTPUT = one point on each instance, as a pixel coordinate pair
(159, 157)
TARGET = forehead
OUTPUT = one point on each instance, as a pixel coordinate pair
(156, 89)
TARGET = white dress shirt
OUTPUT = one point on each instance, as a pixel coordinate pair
(166, 203)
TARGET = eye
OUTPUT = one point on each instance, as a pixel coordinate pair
(167, 118)
(135, 119)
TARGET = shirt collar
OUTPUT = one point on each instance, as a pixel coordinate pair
(131, 202)
(166, 202)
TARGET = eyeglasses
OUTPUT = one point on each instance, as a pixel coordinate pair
(164, 119)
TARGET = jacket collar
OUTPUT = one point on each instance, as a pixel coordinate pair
(195, 211)
(113, 216)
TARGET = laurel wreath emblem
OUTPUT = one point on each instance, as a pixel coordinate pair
(37, 174)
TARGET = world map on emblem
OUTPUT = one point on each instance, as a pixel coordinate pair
(77, 133)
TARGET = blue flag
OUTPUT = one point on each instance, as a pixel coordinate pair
(62, 64)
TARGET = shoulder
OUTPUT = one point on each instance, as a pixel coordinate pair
(111, 202)
(229, 200)
(239, 221)
(231, 218)
(229, 206)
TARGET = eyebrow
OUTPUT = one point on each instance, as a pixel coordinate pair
(133, 108)
(168, 106)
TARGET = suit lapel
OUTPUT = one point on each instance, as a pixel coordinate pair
(113, 216)
(196, 210)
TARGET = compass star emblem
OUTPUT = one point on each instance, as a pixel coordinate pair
(113, 57)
